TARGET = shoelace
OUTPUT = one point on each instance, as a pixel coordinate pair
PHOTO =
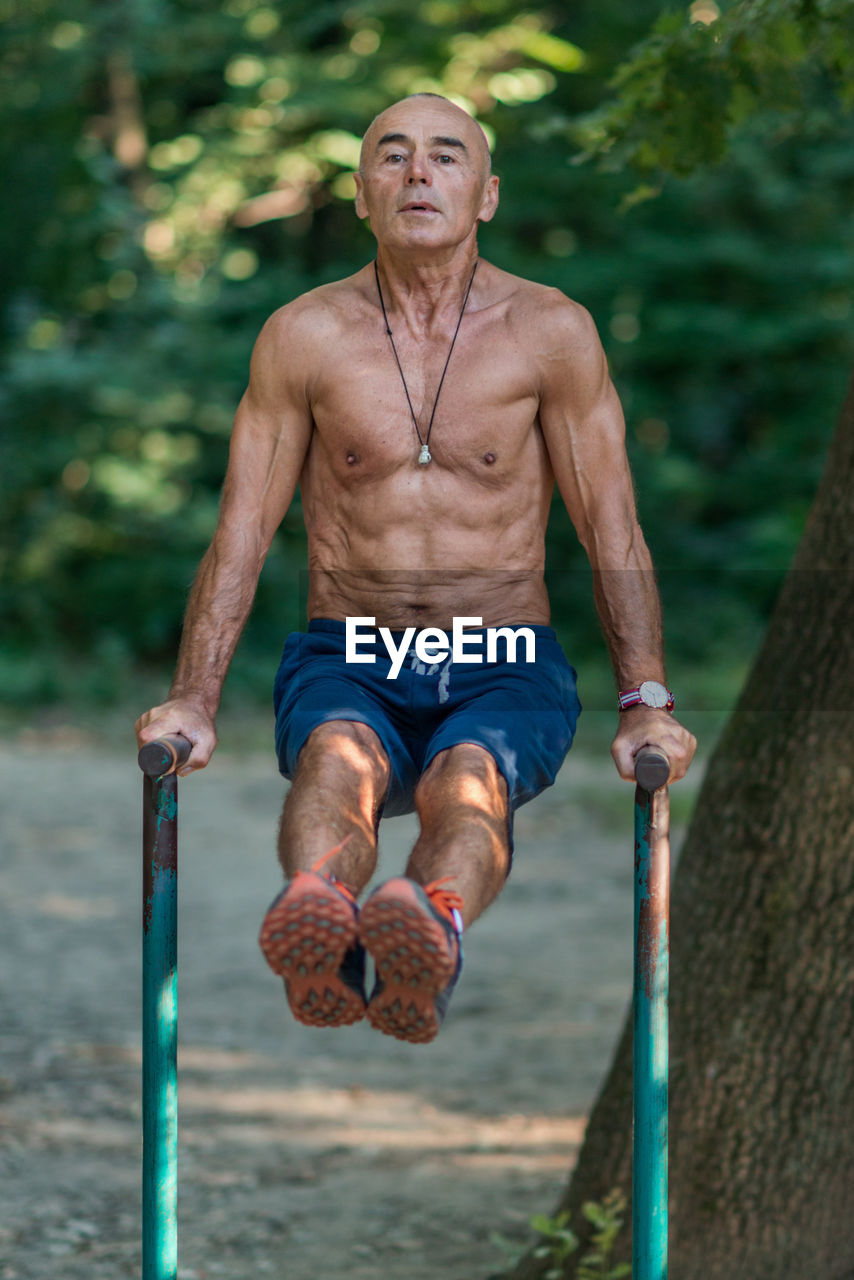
(327, 875)
(447, 901)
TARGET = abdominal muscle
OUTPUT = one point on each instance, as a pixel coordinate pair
(409, 548)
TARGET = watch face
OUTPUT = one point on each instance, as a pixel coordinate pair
(653, 694)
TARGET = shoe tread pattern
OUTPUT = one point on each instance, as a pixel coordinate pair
(414, 962)
(305, 936)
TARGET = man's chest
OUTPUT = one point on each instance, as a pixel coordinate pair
(365, 395)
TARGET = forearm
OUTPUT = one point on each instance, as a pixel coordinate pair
(629, 609)
(219, 605)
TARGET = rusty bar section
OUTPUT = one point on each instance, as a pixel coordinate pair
(651, 1047)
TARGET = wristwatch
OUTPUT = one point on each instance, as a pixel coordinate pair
(648, 694)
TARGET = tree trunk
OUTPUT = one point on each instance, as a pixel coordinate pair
(762, 956)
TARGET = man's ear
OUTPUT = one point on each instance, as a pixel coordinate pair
(361, 207)
(490, 200)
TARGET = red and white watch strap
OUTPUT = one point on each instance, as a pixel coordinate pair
(649, 694)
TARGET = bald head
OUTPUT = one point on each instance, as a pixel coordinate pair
(454, 128)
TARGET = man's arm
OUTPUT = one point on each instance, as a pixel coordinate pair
(584, 431)
(272, 430)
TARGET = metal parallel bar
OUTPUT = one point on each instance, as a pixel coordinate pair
(160, 1010)
(651, 1047)
(160, 1030)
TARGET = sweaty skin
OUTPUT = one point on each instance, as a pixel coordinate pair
(527, 402)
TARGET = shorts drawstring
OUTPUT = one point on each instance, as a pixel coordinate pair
(443, 669)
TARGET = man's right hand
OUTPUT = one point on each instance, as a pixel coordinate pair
(187, 717)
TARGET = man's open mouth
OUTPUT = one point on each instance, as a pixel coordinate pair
(419, 206)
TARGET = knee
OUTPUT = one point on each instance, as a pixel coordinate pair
(345, 747)
(462, 804)
(464, 774)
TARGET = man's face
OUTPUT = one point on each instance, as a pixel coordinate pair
(424, 180)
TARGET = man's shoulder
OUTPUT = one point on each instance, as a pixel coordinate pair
(318, 316)
(540, 307)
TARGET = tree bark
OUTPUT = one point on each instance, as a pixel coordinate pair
(762, 956)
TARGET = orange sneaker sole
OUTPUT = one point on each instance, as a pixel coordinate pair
(304, 937)
(414, 963)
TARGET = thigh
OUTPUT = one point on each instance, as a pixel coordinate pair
(523, 714)
(314, 689)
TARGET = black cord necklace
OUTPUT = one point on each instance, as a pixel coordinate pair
(424, 456)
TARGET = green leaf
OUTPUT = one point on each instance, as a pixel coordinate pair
(550, 1226)
(594, 1213)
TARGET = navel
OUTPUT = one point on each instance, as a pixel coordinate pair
(489, 458)
(353, 459)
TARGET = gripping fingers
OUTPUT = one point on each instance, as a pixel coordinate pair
(653, 729)
(186, 719)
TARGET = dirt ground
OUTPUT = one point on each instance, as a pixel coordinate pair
(303, 1153)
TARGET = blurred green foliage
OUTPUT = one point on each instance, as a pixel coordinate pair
(174, 171)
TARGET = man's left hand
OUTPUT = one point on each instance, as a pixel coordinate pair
(648, 727)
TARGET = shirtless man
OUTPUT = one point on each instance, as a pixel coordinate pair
(425, 501)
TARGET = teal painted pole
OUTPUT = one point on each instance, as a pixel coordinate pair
(650, 1044)
(160, 1007)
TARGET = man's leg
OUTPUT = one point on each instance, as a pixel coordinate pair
(340, 783)
(310, 933)
(461, 801)
(411, 924)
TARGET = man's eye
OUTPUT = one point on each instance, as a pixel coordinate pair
(446, 159)
(394, 156)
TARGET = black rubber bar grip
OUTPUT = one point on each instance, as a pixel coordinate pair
(652, 769)
(164, 755)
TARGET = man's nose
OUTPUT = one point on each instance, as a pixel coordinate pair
(418, 170)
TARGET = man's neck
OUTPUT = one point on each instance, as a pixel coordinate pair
(426, 288)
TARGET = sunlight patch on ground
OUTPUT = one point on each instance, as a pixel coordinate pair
(357, 1122)
(190, 1057)
(62, 906)
(370, 1121)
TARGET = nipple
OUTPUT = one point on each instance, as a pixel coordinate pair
(489, 458)
(352, 459)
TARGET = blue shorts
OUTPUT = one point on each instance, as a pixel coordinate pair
(524, 714)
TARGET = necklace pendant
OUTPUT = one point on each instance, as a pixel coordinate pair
(424, 456)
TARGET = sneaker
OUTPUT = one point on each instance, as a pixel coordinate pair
(309, 938)
(413, 934)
